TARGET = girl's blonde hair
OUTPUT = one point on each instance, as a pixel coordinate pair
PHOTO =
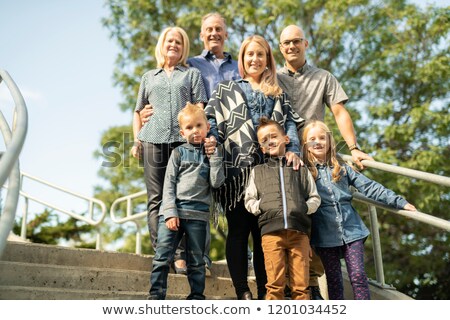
(159, 54)
(331, 156)
(269, 82)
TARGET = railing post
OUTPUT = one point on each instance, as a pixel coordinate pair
(129, 213)
(91, 209)
(377, 255)
(23, 230)
(98, 243)
(138, 238)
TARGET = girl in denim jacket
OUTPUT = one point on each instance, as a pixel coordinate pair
(337, 229)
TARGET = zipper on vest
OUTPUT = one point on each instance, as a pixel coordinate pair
(283, 195)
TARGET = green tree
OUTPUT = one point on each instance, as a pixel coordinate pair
(47, 227)
(392, 59)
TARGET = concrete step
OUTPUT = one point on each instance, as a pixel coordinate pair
(49, 254)
(37, 293)
(101, 279)
(36, 271)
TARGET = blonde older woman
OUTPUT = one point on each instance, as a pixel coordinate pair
(234, 111)
(167, 89)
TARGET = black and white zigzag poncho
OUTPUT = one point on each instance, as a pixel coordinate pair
(231, 124)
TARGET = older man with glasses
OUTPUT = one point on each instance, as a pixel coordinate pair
(310, 89)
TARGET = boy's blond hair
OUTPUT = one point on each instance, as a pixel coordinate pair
(191, 109)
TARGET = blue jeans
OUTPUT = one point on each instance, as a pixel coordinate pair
(195, 231)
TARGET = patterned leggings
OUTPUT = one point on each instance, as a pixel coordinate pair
(353, 253)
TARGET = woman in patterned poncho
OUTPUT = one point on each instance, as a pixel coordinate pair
(234, 110)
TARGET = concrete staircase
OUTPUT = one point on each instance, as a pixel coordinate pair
(30, 271)
(36, 272)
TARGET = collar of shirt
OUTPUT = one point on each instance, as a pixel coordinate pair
(193, 146)
(177, 67)
(321, 165)
(275, 161)
(208, 55)
(300, 70)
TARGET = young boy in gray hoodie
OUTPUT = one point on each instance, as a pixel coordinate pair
(190, 175)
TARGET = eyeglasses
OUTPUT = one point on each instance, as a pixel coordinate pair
(295, 42)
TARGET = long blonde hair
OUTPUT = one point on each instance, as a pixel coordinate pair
(331, 156)
(269, 83)
(159, 54)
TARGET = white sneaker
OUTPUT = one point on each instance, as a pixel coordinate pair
(207, 271)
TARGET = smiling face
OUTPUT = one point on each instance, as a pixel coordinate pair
(255, 61)
(194, 127)
(214, 34)
(293, 47)
(272, 141)
(173, 46)
(318, 143)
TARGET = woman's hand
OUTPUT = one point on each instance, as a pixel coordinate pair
(293, 158)
(136, 150)
(210, 145)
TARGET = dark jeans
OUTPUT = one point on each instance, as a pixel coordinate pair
(195, 232)
(156, 157)
(240, 224)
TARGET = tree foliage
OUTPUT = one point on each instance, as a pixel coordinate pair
(392, 59)
(47, 227)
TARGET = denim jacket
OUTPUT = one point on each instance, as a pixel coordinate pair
(190, 175)
(336, 222)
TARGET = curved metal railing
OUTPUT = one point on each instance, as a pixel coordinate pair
(9, 164)
(415, 215)
(87, 218)
(130, 216)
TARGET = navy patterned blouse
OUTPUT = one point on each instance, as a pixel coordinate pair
(168, 95)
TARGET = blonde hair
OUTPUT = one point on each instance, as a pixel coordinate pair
(159, 54)
(269, 83)
(331, 156)
(193, 110)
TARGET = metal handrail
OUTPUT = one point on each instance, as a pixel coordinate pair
(130, 217)
(415, 215)
(411, 173)
(90, 214)
(9, 163)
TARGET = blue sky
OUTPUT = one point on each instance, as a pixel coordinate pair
(62, 59)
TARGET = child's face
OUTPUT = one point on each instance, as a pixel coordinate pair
(317, 143)
(272, 141)
(194, 128)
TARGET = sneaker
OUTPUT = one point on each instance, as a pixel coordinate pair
(207, 271)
